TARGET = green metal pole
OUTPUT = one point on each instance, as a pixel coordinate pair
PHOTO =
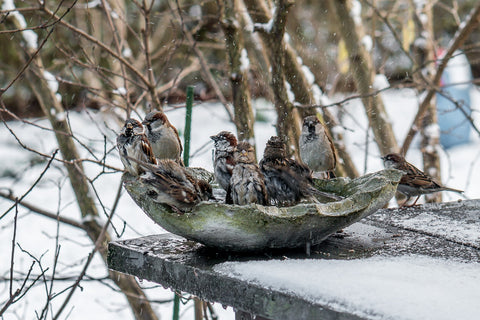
(176, 306)
(186, 158)
(188, 126)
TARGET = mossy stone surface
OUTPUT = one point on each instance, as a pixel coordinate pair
(255, 227)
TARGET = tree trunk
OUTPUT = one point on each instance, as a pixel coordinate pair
(363, 75)
(239, 66)
(53, 109)
(303, 90)
(430, 130)
(288, 122)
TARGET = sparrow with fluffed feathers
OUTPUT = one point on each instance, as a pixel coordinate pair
(414, 182)
(316, 147)
(132, 143)
(170, 183)
(288, 181)
(247, 183)
(223, 163)
(163, 136)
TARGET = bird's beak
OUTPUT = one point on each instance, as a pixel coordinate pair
(145, 123)
(214, 138)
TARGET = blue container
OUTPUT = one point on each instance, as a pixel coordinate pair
(456, 84)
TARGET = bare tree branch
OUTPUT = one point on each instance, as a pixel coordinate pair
(472, 22)
(41, 211)
(203, 63)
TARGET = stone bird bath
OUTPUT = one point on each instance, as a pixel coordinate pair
(255, 227)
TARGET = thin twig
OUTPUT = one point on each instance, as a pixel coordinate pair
(98, 244)
(146, 34)
(37, 51)
(13, 246)
(17, 295)
(103, 46)
(33, 185)
(204, 64)
(116, 39)
(472, 21)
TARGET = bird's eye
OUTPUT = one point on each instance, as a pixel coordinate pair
(152, 193)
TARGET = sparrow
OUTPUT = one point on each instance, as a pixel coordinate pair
(132, 143)
(316, 147)
(163, 136)
(169, 183)
(288, 181)
(414, 182)
(223, 163)
(247, 183)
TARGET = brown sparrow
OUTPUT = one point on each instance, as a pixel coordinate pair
(223, 162)
(288, 181)
(316, 147)
(170, 183)
(414, 182)
(247, 184)
(163, 136)
(133, 143)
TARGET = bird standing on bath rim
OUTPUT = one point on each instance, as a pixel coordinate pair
(414, 182)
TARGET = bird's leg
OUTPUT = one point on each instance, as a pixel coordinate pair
(410, 205)
(404, 204)
(415, 201)
(177, 211)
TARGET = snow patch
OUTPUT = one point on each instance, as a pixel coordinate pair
(92, 4)
(423, 18)
(51, 81)
(367, 42)
(127, 53)
(380, 82)
(419, 4)
(244, 61)
(432, 131)
(9, 5)
(308, 74)
(356, 12)
(458, 69)
(61, 116)
(114, 15)
(337, 131)
(120, 91)
(444, 226)
(195, 11)
(406, 287)
(432, 172)
(30, 37)
(420, 43)
(290, 94)
(319, 96)
(429, 149)
(267, 27)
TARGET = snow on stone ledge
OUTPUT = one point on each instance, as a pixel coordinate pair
(445, 227)
(406, 287)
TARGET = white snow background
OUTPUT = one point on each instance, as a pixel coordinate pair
(399, 288)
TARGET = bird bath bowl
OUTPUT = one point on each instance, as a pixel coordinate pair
(255, 227)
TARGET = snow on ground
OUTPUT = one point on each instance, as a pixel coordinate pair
(20, 168)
